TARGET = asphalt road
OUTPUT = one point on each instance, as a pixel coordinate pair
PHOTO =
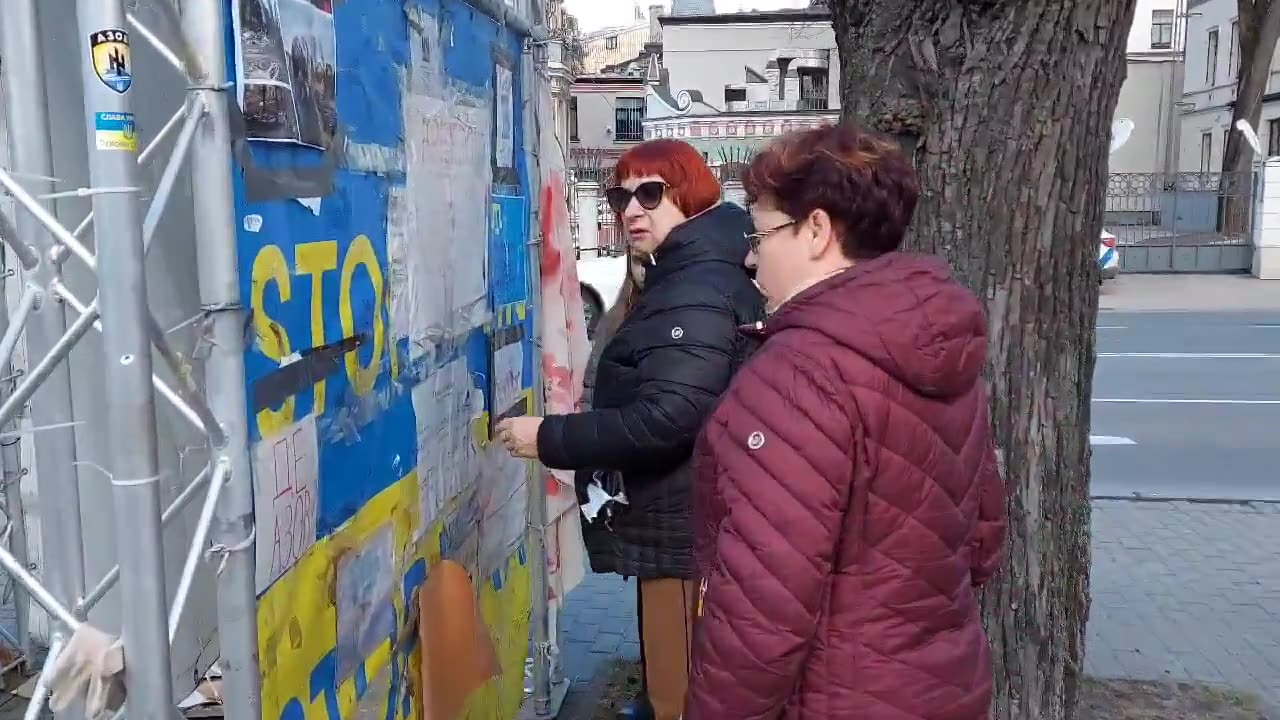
(1187, 405)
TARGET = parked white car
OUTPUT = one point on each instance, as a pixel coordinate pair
(601, 280)
(1108, 256)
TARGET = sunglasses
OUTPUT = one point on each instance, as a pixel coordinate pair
(754, 239)
(648, 194)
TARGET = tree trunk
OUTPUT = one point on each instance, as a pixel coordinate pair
(1011, 102)
(1259, 28)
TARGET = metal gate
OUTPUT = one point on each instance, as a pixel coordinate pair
(612, 237)
(592, 169)
(1182, 222)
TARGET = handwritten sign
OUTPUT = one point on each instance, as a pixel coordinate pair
(286, 490)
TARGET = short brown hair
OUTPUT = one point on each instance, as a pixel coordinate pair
(690, 183)
(862, 180)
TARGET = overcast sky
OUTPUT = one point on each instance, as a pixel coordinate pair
(595, 14)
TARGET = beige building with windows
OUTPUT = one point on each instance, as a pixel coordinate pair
(618, 45)
(727, 83)
(1151, 92)
(606, 114)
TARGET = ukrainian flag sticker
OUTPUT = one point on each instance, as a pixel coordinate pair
(115, 131)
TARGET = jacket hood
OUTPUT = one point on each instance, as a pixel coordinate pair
(904, 313)
(717, 235)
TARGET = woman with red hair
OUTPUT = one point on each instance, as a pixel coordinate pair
(656, 381)
(849, 503)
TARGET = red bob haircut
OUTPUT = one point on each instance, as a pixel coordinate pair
(861, 179)
(690, 183)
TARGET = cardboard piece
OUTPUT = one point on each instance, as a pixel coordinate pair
(458, 656)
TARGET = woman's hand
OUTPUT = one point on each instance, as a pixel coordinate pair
(520, 436)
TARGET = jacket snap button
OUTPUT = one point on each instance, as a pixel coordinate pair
(756, 440)
(677, 332)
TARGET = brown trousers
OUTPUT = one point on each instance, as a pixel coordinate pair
(666, 608)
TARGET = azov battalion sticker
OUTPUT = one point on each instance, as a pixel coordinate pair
(112, 63)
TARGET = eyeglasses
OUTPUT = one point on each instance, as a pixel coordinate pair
(648, 194)
(754, 239)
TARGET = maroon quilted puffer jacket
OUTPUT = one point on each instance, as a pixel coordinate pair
(848, 506)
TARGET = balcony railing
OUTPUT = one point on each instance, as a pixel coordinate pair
(814, 103)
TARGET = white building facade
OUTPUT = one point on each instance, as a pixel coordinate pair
(1209, 89)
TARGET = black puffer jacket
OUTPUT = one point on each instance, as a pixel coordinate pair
(657, 381)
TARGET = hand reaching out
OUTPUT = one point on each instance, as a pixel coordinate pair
(520, 436)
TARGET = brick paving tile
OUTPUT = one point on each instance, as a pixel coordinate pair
(1181, 591)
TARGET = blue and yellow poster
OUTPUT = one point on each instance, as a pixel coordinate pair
(383, 222)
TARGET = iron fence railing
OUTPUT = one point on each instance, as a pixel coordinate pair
(1199, 221)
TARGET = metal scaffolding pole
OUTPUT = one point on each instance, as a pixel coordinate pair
(233, 525)
(31, 156)
(11, 461)
(133, 460)
(549, 691)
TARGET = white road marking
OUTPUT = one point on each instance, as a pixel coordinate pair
(1110, 440)
(1193, 356)
(1186, 401)
(1112, 327)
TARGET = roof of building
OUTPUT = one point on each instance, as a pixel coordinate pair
(750, 17)
(614, 30)
(693, 7)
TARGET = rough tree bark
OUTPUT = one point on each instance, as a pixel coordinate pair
(1011, 103)
(1259, 28)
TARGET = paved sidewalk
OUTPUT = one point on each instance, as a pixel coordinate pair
(1187, 591)
(1181, 591)
(1140, 292)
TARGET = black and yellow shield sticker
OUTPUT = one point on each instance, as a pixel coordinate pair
(112, 62)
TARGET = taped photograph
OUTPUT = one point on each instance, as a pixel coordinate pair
(364, 585)
(287, 64)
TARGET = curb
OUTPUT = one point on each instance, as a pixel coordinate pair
(1249, 502)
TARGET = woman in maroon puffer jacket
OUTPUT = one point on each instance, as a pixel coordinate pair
(849, 502)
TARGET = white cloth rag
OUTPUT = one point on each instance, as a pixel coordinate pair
(597, 498)
(89, 670)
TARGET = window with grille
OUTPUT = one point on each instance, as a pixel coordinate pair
(813, 90)
(1161, 29)
(628, 120)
